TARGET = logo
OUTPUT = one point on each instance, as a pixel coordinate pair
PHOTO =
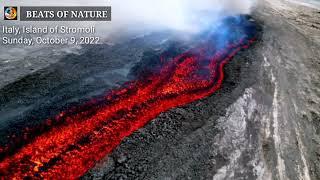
(10, 13)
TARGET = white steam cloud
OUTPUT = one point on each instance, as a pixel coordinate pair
(184, 15)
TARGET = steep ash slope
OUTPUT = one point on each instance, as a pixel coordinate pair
(291, 54)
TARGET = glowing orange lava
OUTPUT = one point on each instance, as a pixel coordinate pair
(69, 149)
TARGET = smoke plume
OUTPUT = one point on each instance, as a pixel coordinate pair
(182, 15)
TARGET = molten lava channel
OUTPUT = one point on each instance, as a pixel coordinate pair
(70, 149)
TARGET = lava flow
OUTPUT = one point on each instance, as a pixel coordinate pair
(69, 149)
